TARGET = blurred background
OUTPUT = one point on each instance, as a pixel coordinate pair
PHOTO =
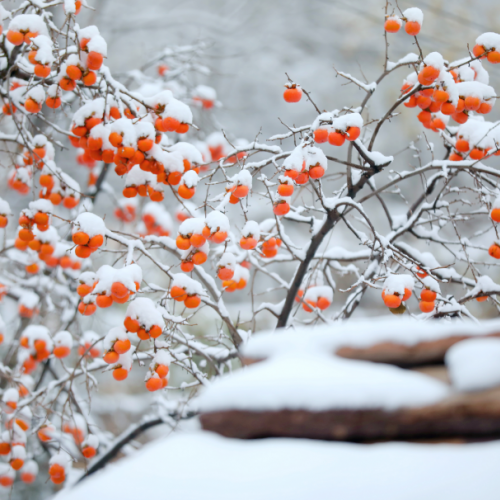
(254, 42)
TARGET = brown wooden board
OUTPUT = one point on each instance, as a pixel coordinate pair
(472, 415)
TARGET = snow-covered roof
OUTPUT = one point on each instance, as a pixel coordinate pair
(318, 382)
(363, 334)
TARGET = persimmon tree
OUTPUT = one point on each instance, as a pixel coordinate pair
(247, 214)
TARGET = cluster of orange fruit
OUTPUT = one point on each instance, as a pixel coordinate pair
(26, 238)
(194, 242)
(85, 245)
(119, 293)
(394, 23)
(179, 294)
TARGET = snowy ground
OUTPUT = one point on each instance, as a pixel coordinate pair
(203, 465)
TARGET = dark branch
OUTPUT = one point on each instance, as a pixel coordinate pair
(119, 443)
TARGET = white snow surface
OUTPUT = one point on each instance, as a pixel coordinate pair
(190, 285)
(407, 59)
(362, 333)
(227, 260)
(108, 275)
(485, 285)
(396, 283)
(414, 14)
(244, 178)
(192, 226)
(145, 311)
(178, 110)
(296, 469)
(434, 59)
(10, 395)
(30, 22)
(317, 292)
(5, 207)
(315, 156)
(36, 93)
(43, 46)
(63, 338)
(474, 364)
(489, 40)
(90, 108)
(188, 151)
(346, 121)
(90, 224)
(476, 89)
(190, 179)
(41, 205)
(320, 382)
(205, 92)
(216, 220)
(116, 333)
(138, 177)
(251, 227)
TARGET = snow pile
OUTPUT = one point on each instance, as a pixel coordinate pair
(397, 283)
(146, 312)
(217, 221)
(29, 299)
(90, 108)
(96, 42)
(470, 70)
(317, 292)
(29, 22)
(188, 152)
(484, 285)
(489, 40)
(138, 177)
(4, 208)
(205, 92)
(116, 333)
(414, 14)
(434, 59)
(315, 156)
(191, 286)
(251, 228)
(363, 334)
(342, 123)
(480, 133)
(192, 226)
(190, 179)
(296, 469)
(475, 89)
(63, 339)
(107, 276)
(43, 46)
(228, 260)
(474, 364)
(89, 223)
(41, 205)
(315, 382)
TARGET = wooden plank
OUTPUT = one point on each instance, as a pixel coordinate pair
(464, 416)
